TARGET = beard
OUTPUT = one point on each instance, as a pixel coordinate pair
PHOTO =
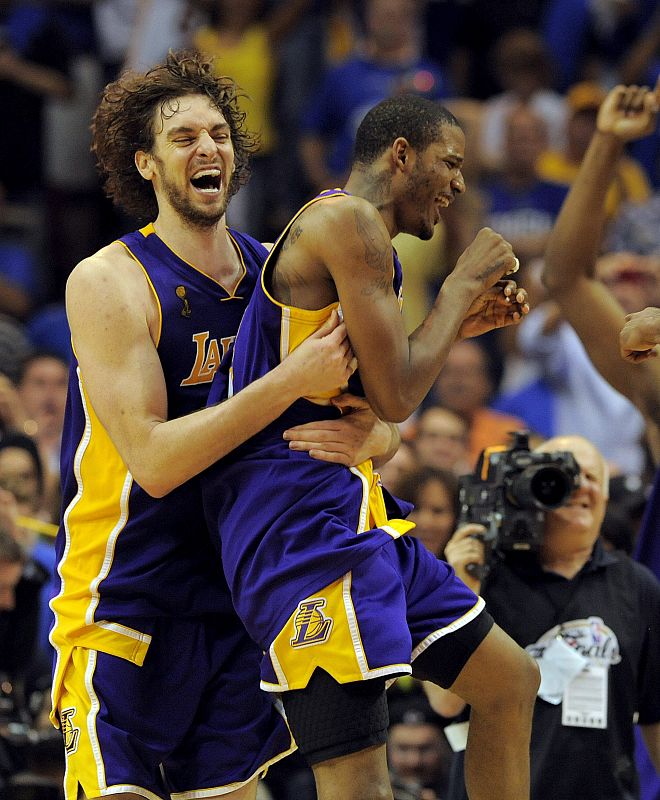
(418, 188)
(193, 216)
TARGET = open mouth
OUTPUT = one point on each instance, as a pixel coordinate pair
(208, 181)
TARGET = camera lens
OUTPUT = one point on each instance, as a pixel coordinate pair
(550, 486)
(541, 487)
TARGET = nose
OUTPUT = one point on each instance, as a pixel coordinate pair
(206, 144)
(458, 183)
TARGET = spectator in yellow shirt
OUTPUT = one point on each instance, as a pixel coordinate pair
(630, 181)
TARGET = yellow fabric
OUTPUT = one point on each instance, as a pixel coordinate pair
(297, 325)
(341, 38)
(630, 181)
(97, 520)
(327, 619)
(250, 62)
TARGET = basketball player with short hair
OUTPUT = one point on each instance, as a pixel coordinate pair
(315, 554)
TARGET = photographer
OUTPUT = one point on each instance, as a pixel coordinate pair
(591, 618)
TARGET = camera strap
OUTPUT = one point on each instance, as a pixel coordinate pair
(562, 599)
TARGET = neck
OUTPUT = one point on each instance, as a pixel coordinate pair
(567, 563)
(209, 249)
(374, 186)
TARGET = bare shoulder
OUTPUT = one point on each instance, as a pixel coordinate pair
(111, 266)
(344, 209)
(347, 223)
(109, 285)
(110, 272)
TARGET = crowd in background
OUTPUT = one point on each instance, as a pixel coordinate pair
(525, 79)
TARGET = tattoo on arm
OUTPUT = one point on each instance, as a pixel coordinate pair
(378, 285)
(376, 249)
(377, 254)
(491, 270)
(292, 238)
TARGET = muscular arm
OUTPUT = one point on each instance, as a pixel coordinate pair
(573, 247)
(113, 323)
(396, 370)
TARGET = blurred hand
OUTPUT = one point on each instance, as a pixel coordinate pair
(629, 112)
(640, 335)
(466, 547)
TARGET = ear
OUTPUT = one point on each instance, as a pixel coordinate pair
(401, 152)
(145, 164)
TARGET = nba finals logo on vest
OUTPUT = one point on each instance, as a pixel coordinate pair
(207, 358)
(312, 627)
(70, 733)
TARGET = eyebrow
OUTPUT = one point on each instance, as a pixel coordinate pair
(221, 126)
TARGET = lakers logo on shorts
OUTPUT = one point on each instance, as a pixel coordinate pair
(312, 627)
(70, 733)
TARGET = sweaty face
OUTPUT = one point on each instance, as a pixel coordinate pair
(435, 181)
(194, 160)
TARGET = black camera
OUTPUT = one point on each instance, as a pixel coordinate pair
(510, 493)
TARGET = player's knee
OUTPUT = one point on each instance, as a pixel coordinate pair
(516, 692)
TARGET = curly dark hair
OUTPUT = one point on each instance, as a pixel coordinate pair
(416, 118)
(124, 123)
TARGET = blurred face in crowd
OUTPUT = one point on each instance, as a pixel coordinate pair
(434, 515)
(10, 574)
(633, 279)
(463, 384)
(391, 23)
(18, 475)
(526, 138)
(442, 439)
(521, 63)
(417, 752)
(578, 521)
(43, 391)
(579, 130)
